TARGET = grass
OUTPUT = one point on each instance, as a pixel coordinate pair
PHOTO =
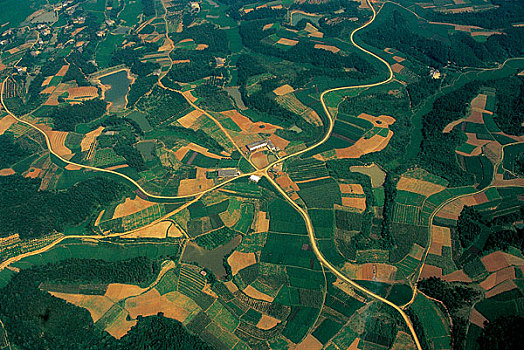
(436, 328)
(131, 12)
(105, 49)
(15, 11)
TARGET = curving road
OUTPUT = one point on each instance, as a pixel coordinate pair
(262, 172)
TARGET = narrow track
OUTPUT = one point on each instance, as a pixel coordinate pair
(263, 172)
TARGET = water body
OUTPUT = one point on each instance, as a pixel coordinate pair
(119, 82)
(298, 16)
(211, 259)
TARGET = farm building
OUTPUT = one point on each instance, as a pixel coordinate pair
(261, 144)
(254, 178)
(228, 172)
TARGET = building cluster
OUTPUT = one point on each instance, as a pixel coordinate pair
(254, 146)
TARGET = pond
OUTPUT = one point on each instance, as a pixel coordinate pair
(211, 259)
(119, 83)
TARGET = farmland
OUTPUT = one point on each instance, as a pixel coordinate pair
(260, 175)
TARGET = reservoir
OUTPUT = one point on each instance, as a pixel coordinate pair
(119, 83)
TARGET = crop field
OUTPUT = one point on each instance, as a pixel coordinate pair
(307, 169)
(436, 327)
(288, 250)
(215, 239)
(284, 218)
(107, 157)
(406, 214)
(328, 187)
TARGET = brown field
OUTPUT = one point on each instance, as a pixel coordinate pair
(259, 159)
(267, 322)
(267, 26)
(62, 71)
(188, 95)
(441, 235)
(239, 260)
(72, 167)
(119, 291)
(309, 343)
(357, 203)
(422, 187)
(89, 138)
(33, 173)
(47, 81)
(131, 206)
(498, 277)
(262, 222)
(99, 217)
(158, 230)
(499, 260)
(457, 276)
(200, 183)
(151, 303)
(287, 42)
(83, 92)
(188, 120)
(120, 325)
(174, 231)
(477, 318)
(431, 271)
(501, 288)
(247, 125)
(116, 167)
(53, 99)
(450, 126)
(168, 45)
(399, 59)
(97, 305)
(48, 90)
(416, 251)
(311, 180)
(57, 140)
(403, 341)
(397, 67)
(231, 286)
(181, 152)
(284, 89)
(286, 183)
(376, 174)
(312, 117)
(330, 48)
(351, 188)
(479, 101)
(181, 61)
(354, 345)
(256, 294)
(279, 141)
(201, 47)
(7, 172)
(383, 272)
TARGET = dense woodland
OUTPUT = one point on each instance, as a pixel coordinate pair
(33, 213)
(437, 154)
(66, 117)
(11, 151)
(36, 320)
(503, 333)
(460, 49)
(456, 297)
(500, 232)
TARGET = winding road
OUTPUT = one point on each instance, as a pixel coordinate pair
(260, 172)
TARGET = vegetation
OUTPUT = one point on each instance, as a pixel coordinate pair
(11, 151)
(456, 297)
(33, 213)
(503, 333)
(68, 116)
